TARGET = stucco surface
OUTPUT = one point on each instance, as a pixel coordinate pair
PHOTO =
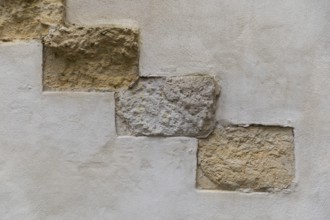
(264, 53)
(60, 159)
(272, 59)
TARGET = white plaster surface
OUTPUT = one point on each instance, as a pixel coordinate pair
(60, 160)
(263, 52)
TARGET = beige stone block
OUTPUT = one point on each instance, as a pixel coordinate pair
(28, 19)
(102, 58)
(255, 158)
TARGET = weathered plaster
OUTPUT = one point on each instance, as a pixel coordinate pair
(60, 160)
(263, 53)
(272, 60)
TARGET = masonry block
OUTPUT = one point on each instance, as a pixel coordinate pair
(28, 19)
(255, 158)
(102, 58)
(169, 106)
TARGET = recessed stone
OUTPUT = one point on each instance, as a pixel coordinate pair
(171, 106)
(27, 19)
(255, 158)
(102, 58)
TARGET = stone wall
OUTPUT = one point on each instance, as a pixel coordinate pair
(164, 109)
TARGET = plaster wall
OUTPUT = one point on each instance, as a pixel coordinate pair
(61, 159)
(265, 54)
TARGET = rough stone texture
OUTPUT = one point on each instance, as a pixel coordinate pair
(255, 158)
(172, 106)
(90, 58)
(26, 19)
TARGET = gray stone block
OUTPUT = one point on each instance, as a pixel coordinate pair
(171, 106)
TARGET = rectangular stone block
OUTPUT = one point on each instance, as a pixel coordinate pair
(102, 58)
(255, 158)
(27, 19)
(169, 106)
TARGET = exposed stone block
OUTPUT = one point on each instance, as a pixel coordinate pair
(171, 106)
(255, 158)
(103, 58)
(26, 19)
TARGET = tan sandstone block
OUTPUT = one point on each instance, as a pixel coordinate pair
(102, 58)
(27, 19)
(255, 158)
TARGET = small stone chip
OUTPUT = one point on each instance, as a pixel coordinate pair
(168, 106)
(29, 19)
(101, 58)
(255, 158)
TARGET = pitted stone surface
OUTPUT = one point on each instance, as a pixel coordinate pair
(255, 158)
(102, 58)
(26, 19)
(171, 106)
